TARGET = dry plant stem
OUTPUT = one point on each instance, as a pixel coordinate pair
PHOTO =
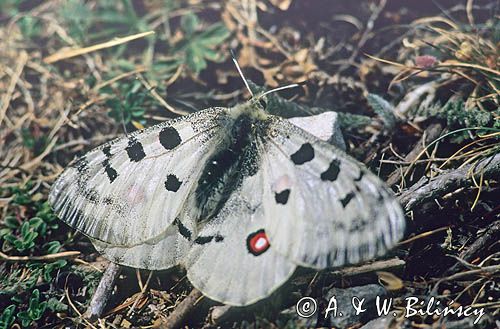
(65, 53)
(23, 58)
(449, 182)
(431, 133)
(103, 292)
(490, 236)
(181, 311)
(51, 257)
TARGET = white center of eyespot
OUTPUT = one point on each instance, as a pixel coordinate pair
(260, 243)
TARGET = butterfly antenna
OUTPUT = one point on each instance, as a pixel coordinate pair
(240, 72)
(293, 85)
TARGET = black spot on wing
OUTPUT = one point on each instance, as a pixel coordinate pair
(345, 201)
(303, 155)
(82, 165)
(332, 172)
(282, 197)
(172, 183)
(183, 230)
(361, 174)
(358, 225)
(107, 151)
(209, 238)
(135, 151)
(169, 138)
(110, 171)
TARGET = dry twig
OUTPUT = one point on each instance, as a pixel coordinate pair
(103, 292)
(176, 318)
(428, 189)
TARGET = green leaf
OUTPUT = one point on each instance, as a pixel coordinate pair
(11, 222)
(214, 35)
(10, 238)
(56, 306)
(35, 222)
(195, 60)
(25, 229)
(53, 247)
(384, 109)
(5, 231)
(189, 23)
(7, 317)
(51, 267)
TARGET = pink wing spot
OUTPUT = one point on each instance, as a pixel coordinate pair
(135, 195)
(282, 183)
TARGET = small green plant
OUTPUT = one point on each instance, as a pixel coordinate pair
(458, 116)
(25, 240)
(7, 317)
(384, 109)
(35, 310)
(198, 47)
(22, 235)
(129, 108)
(10, 7)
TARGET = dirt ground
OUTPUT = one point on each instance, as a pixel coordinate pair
(416, 85)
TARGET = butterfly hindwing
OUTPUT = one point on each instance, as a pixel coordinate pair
(131, 189)
(231, 260)
(159, 253)
(322, 207)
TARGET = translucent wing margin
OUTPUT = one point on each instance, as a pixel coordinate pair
(323, 208)
(131, 189)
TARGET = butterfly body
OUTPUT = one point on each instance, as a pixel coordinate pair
(235, 158)
(236, 196)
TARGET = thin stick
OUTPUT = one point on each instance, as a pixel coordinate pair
(423, 235)
(51, 257)
(181, 311)
(449, 182)
(103, 292)
(158, 97)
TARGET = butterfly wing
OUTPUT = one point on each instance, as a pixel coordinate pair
(322, 207)
(131, 189)
(159, 253)
(231, 260)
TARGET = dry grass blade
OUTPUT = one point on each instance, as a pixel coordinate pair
(23, 58)
(68, 53)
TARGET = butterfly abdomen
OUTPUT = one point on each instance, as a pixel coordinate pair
(235, 159)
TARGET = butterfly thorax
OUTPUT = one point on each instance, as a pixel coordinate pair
(235, 158)
(252, 108)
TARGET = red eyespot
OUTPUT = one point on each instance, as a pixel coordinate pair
(257, 243)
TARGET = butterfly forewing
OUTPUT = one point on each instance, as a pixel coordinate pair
(131, 189)
(322, 208)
